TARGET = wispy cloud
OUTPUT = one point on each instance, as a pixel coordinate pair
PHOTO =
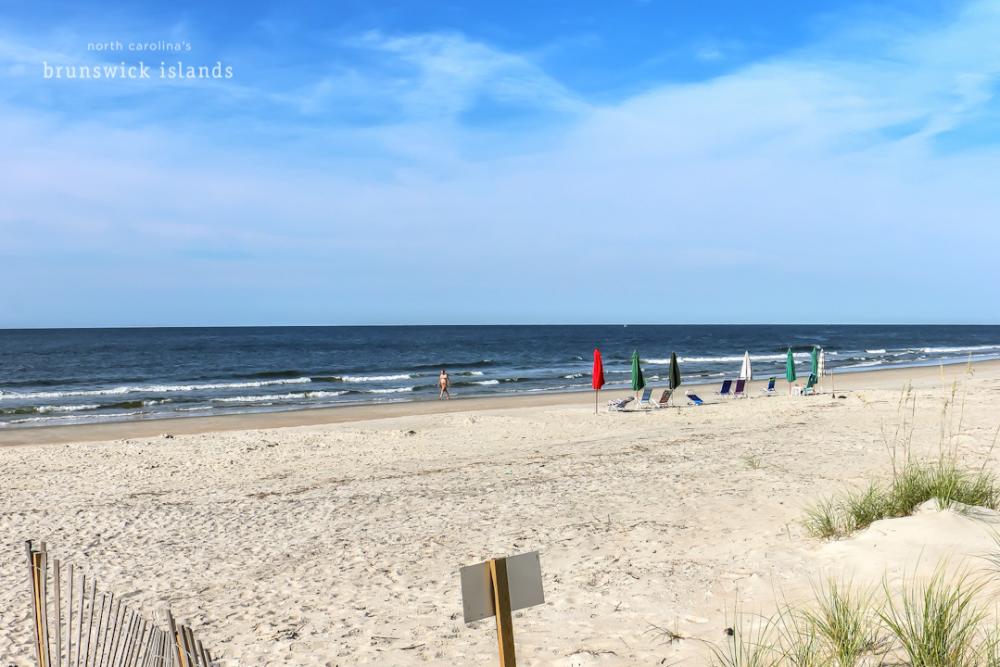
(716, 50)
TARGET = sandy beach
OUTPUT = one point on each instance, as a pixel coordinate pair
(334, 536)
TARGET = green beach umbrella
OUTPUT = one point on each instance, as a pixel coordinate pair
(638, 382)
(790, 370)
(815, 362)
(675, 372)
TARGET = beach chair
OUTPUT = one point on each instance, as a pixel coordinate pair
(664, 399)
(810, 387)
(770, 386)
(740, 389)
(618, 405)
(694, 400)
(726, 388)
(646, 400)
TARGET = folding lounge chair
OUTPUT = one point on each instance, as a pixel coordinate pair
(770, 386)
(618, 405)
(810, 387)
(664, 399)
(726, 388)
(740, 389)
(694, 400)
(646, 400)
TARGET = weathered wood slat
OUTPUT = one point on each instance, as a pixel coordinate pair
(57, 602)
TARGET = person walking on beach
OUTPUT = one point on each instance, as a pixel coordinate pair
(444, 381)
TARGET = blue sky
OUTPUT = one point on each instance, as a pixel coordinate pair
(411, 162)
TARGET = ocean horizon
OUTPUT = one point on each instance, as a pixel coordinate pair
(72, 376)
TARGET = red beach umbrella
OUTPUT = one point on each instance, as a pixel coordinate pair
(597, 377)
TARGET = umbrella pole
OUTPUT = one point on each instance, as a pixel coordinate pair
(596, 399)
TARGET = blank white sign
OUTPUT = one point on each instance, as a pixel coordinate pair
(524, 580)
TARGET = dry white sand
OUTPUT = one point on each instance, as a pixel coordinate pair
(340, 544)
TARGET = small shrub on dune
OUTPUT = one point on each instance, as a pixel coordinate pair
(911, 486)
(863, 508)
(823, 519)
(847, 621)
(933, 623)
(944, 480)
(936, 624)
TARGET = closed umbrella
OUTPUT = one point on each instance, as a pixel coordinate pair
(638, 382)
(675, 372)
(597, 377)
(790, 370)
(746, 372)
(815, 362)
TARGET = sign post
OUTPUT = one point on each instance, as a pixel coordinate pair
(498, 587)
(501, 606)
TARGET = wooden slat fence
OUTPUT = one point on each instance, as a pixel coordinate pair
(76, 625)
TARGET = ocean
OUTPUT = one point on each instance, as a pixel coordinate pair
(66, 376)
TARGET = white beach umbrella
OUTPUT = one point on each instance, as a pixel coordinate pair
(746, 372)
(822, 362)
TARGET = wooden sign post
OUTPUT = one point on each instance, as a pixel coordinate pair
(501, 606)
(498, 587)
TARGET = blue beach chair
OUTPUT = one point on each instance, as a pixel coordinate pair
(727, 386)
(694, 400)
(740, 389)
(646, 401)
(770, 386)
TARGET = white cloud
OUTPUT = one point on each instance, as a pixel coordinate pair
(451, 72)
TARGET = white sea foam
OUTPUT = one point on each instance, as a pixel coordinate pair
(393, 390)
(153, 389)
(76, 417)
(573, 376)
(487, 382)
(374, 378)
(728, 358)
(878, 351)
(280, 397)
(970, 348)
(66, 408)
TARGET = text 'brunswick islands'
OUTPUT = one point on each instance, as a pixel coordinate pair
(175, 70)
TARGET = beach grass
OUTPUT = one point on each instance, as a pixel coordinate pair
(937, 623)
(925, 623)
(797, 639)
(753, 459)
(914, 480)
(847, 620)
(912, 485)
